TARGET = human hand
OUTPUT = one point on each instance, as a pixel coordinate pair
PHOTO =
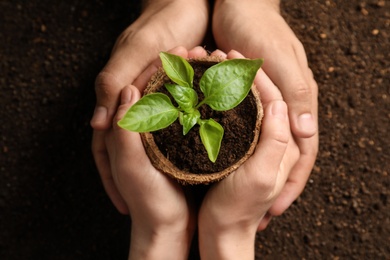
(163, 24)
(162, 221)
(257, 30)
(233, 208)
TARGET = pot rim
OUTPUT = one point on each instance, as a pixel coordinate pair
(163, 164)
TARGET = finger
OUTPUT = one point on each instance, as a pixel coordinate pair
(308, 148)
(298, 177)
(143, 79)
(264, 165)
(264, 222)
(197, 52)
(107, 88)
(102, 158)
(103, 166)
(130, 147)
(122, 69)
(233, 54)
(129, 96)
(267, 89)
(219, 53)
(298, 91)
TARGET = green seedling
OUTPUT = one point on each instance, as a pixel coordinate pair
(224, 86)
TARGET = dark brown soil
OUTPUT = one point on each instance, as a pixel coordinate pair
(52, 204)
(187, 151)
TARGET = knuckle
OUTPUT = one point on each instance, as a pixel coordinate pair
(266, 186)
(281, 138)
(294, 154)
(310, 73)
(103, 81)
(144, 38)
(107, 87)
(299, 48)
(301, 91)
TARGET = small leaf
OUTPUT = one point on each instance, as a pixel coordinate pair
(189, 120)
(152, 112)
(227, 83)
(185, 97)
(211, 134)
(177, 69)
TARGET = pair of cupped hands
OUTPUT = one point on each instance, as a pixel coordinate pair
(268, 182)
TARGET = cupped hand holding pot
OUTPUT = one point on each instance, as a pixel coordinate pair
(233, 208)
(257, 30)
(162, 219)
(162, 25)
(162, 222)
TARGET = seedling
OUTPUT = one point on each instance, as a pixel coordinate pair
(224, 86)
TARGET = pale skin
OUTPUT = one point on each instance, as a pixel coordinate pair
(134, 50)
(230, 214)
(285, 66)
(163, 220)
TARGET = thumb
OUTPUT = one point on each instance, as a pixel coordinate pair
(107, 88)
(275, 135)
(122, 69)
(130, 94)
(299, 90)
(130, 140)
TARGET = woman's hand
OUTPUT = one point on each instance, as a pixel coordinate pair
(163, 25)
(233, 208)
(162, 222)
(257, 30)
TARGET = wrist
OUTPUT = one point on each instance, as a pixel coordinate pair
(274, 4)
(161, 3)
(168, 21)
(159, 243)
(226, 244)
(235, 241)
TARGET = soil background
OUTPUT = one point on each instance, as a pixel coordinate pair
(52, 204)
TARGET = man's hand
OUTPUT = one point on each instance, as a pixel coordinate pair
(163, 25)
(257, 30)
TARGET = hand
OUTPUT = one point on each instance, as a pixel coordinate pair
(163, 24)
(257, 30)
(233, 208)
(162, 222)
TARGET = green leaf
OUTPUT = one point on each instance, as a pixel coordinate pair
(211, 134)
(189, 120)
(227, 83)
(177, 69)
(185, 97)
(152, 112)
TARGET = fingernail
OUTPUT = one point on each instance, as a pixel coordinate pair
(306, 123)
(279, 109)
(126, 96)
(99, 115)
